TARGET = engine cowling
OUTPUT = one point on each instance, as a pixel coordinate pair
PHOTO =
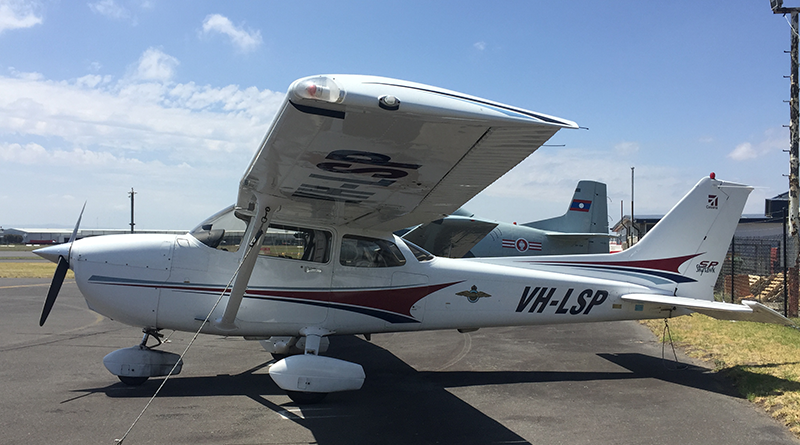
(316, 374)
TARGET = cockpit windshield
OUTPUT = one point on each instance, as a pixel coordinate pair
(222, 230)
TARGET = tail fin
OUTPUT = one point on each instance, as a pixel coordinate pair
(587, 212)
(682, 254)
(693, 238)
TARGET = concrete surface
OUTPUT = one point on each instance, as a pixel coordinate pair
(571, 384)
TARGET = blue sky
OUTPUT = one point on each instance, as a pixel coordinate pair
(172, 97)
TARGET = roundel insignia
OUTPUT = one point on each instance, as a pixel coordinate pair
(473, 295)
(522, 245)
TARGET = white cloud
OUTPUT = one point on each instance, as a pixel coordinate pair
(743, 152)
(16, 14)
(541, 186)
(156, 65)
(92, 80)
(35, 154)
(184, 147)
(110, 9)
(774, 140)
(480, 46)
(626, 148)
(246, 41)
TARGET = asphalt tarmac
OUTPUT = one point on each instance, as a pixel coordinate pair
(571, 384)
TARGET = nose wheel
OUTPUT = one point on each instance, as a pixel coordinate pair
(134, 365)
(132, 381)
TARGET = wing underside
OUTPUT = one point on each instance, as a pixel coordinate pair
(352, 160)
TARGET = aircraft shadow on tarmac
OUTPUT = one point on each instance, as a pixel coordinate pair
(399, 404)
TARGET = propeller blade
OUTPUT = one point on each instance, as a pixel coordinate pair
(61, 272)
(75, 232)
(55, 287)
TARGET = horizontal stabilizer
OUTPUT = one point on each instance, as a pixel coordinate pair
(747, 311)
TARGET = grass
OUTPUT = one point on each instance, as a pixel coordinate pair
(20, 247)
(10, 269)
(762, 360)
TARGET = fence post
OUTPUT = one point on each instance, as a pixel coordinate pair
(733, 274)
(785, 277)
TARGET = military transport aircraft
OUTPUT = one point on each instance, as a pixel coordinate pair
(582, 229)
(307, 252)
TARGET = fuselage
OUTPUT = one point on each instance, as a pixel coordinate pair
(174, 282)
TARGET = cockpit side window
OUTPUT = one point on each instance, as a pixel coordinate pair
(297, 243)
(225, 229)
(359, 251)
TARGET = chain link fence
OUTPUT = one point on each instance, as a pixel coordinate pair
(755, 269)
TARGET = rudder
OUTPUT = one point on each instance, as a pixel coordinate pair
(698, 230)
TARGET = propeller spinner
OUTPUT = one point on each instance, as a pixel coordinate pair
(59, 254)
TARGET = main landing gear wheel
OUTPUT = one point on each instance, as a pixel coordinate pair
(132, 381)
(306, 398)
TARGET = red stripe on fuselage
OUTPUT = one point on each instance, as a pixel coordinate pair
(665, 264)
(396, 300)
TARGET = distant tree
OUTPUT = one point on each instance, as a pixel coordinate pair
(13, 239)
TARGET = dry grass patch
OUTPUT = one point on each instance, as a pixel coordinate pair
(762, 360)
(10, 269)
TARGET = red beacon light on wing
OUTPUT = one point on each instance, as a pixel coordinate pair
(318, 88)
(713, 175)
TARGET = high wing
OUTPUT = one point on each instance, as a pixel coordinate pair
(375, 153)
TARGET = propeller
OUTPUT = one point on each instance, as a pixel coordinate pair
(61, 269)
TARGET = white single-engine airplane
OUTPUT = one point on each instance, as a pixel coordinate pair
(582, 229)
(309, 249)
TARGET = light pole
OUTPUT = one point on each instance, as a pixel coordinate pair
(632, 219)
(131, 193)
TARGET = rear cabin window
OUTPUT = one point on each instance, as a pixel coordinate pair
(359, 251)
(296, 243)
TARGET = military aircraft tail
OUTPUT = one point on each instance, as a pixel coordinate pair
(587, 212)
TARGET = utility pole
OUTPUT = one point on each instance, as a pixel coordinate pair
(632, 220)
(131, 193)
(794, 161)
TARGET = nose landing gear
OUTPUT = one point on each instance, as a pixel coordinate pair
(134, 365)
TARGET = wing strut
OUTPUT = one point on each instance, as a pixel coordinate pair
(255, 234)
